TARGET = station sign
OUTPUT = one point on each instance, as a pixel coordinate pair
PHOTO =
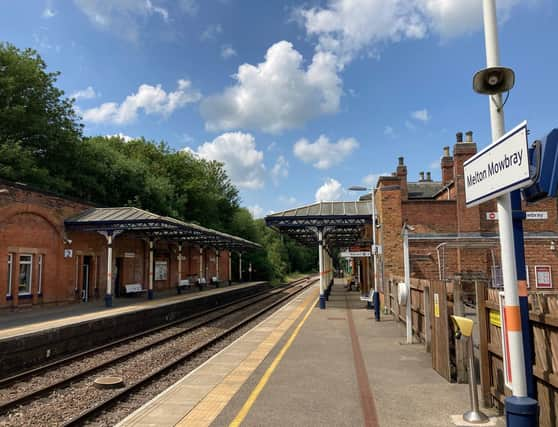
(541, 215)
(500, 168)
(358, 254)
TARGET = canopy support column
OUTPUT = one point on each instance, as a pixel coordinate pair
(230, 268)
(240, 266)
(321, 268)
(201, 275)
(179, 267)
(108, 295)
(217, 256)
(151, 272)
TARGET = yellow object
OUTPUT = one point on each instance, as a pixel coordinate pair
(495, 318)
(436, 305)
(464, 325)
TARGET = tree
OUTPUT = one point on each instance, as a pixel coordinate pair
(38, 122)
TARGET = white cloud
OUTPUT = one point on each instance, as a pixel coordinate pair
(372, 179)
(288, 200)
(49, 12)
(124, 137)
(189, 7)
(242, 161)
(348, 27)
(227, 52)
(256, 211)
(322, 153)
(123, 17)
(330, 191)
(421, 115)
(150, 99)
(87, 93)
(211, 32)
(388, 131)
(280, 170)
(276, 94)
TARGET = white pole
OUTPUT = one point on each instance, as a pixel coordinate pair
(505, 225)
(321, 266)
(230, 267)
(108, 297)
(201, 263)
(179, 262)
(217, 263)
(150, 290)
(240, 265)
(374, 241)
(407, 264)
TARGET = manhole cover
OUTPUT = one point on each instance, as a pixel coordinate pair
(108, 382)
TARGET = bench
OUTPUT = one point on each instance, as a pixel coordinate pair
(134, 289)
(184, 283)
(201, 281)
(215, 281)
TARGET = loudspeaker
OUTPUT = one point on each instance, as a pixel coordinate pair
(491, 81)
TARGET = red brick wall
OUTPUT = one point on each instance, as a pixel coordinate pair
(431, 216)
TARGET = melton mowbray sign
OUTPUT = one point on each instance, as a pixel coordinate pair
(500, 168)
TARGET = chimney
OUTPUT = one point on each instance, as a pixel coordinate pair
(469, 136)
(459, 137)
(428, 177)
(446, 165)
(401, 172)
(421, 174)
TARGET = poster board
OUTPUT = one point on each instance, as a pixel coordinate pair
(161, 270)
(543, 276)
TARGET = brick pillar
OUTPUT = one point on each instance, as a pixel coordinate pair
(389, 210)
(401, 173)
(446, 164)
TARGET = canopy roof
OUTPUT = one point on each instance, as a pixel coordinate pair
(342, 223)
(147, 224)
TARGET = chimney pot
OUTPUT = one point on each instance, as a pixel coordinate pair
(401, 159)
(459, 137)
(428, 176)
(446, 151)
(469, 136)
(421, 174)
(394, 174)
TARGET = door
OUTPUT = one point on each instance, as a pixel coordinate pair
(86, 269)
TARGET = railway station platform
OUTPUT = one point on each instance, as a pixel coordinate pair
(38, 319)
(309, 367)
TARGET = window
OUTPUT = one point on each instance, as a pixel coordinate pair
(40, 275)
(25, 271)
(10, 263)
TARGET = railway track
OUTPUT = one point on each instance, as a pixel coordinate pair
(139, 360)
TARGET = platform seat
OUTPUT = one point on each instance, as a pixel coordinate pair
(215, 281)
(134, 289)
(184, 284)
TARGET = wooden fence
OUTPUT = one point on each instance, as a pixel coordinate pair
(543, 319)
(432, 304)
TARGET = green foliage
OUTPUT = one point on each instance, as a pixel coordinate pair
(41, 144)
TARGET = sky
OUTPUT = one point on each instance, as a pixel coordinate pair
(299, 99)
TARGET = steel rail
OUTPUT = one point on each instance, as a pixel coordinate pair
(5, 406)
(85, 415)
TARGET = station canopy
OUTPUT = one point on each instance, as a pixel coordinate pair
(342, 223)
(144, 224)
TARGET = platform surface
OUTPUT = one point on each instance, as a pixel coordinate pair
(15, 323)
(304, 367)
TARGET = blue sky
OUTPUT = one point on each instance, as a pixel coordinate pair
(300, 100)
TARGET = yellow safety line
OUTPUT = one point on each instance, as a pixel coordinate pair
(265, 378)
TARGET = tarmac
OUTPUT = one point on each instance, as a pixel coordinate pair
(309, 367)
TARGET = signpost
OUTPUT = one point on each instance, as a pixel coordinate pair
(541, 215)
(500, 168)
(359, 254)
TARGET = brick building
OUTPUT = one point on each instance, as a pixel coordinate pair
(449, 238)
(51, 252)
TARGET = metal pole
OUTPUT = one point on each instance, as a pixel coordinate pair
(519, 402)
(217, 256)
(150, 290)
(406, 262)
(240, 266)
(321, 268)
(179, 266)
(108, 295)
(375, 295)
(518, 217)
(474, 416)
(230, 267)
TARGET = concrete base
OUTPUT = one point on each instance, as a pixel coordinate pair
(108, 300)
(459, 421)
(150, 294)
(322, 302)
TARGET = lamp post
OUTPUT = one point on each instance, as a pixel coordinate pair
(375, 295)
